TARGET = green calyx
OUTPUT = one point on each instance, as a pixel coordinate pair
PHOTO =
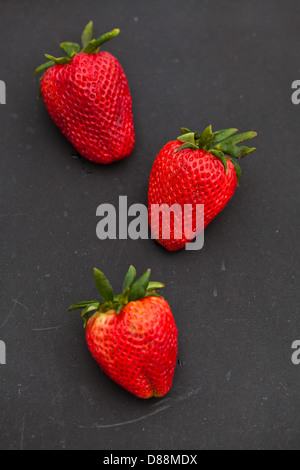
(89, 46)
(132, 290)
(220, 144)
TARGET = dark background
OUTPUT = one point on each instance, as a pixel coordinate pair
(189, 63)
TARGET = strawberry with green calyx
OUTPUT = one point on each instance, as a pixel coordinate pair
(87, 96)
(132, 336)
(196, 169)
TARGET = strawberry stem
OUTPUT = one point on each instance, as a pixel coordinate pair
(93, 46)
(90, 46)
(87, 34)
(220, 144)
(132, 290)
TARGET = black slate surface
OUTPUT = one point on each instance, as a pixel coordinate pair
(189, 63)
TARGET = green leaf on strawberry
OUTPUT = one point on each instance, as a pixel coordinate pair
(70, 48)
(129, 278)
(188, 138)
(139, 288)
(224, 133)
(90, 46)
(184, 130)
(219, 144)
(104, 287)
(44, 67)
(87, 34)
(58, 60)
(93, 46)
(237, 168)
(132, 291)
(152, 286)
(219, 154)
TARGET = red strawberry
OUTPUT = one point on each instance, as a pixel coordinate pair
(195, 170)
(88, 98)
(132, 336)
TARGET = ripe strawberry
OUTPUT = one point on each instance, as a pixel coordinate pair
(132, 336)
(88, 98)
(194, 170)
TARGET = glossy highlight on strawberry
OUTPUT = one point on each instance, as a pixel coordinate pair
(88, 98)
(196, 169)
(132, 336)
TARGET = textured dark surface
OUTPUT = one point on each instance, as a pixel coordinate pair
(235, 302)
